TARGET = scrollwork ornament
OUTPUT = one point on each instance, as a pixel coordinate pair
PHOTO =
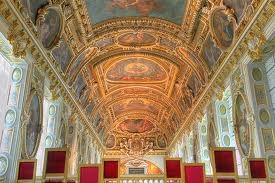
(18, 40)
(255, 44)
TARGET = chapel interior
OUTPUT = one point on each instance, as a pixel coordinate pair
(137, 91)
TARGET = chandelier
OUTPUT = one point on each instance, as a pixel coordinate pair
(136, 146)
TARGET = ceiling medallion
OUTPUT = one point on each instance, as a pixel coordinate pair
(136, 146)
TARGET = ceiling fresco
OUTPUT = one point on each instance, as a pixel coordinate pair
(136, 126)
(136, 70)
(171, 10)
(135, 105)
(137, 67)
(136, 39)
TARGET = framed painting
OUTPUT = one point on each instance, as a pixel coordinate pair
(63, 134)
(32, 124)
(49, 26)
(79, 61)
(162, 141)
(268, 138)
(169, 10)
(136, 39)
(63, 54)
(110, 141)
(222, 27)
(211, 135)
(242, 124)
(210, 52)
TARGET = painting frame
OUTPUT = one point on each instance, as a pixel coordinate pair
(163, 143)
(41, 18)
(114, 142)
(212, 27)
(265, 133)
(135, 37)
(26, 116)
(241, 94)
(213, 125)
(97, 18)
(216, 53)
(63, 128)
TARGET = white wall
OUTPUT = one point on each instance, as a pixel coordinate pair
(270, 71)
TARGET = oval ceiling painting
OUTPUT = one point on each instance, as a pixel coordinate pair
(136, 70)
(170, 10)
(222, 27)
(136, 39)
(49, 25)
(136, 126)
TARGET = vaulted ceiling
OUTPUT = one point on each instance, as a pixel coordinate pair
(136, 66)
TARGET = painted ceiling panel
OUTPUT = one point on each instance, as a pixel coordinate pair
(171, 10)
(136, 126)
(136, 70)
(135, 105)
